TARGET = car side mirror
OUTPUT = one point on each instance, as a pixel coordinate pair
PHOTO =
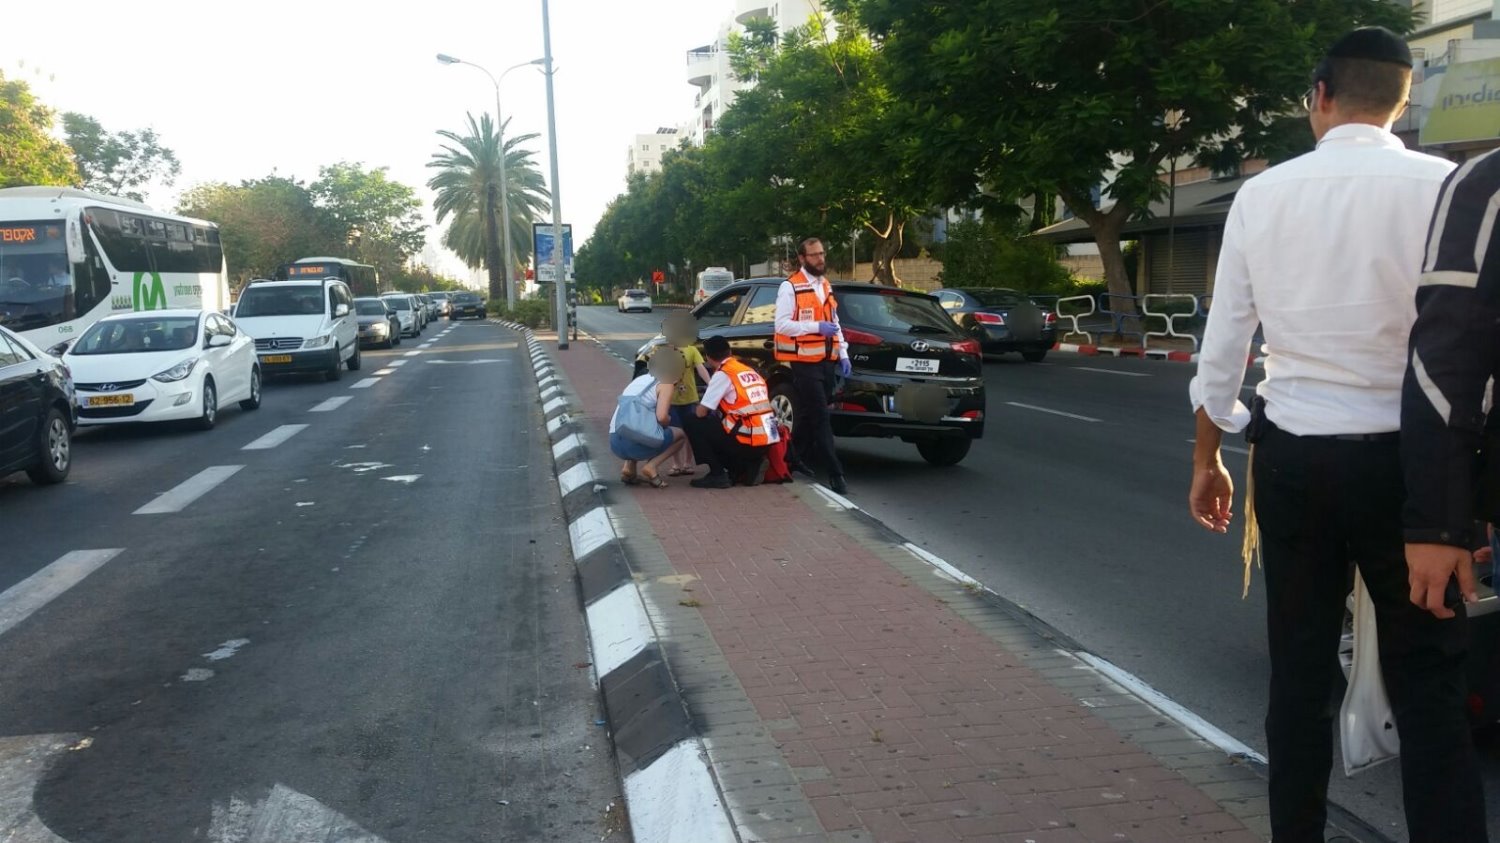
(219, 340)
(341, 310)
(60, 349)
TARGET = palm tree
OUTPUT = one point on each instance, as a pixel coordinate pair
(468, 189)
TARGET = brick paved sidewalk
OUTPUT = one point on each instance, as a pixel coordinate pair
(847, 693)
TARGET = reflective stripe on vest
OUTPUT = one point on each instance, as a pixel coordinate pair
(747, 408)
(808, 348)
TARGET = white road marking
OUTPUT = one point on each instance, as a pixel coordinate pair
(20, 600)
(396, 364)
(466, 362)
(189, 490)
(332, 404)
(1053, 412)
(23, 762)
(285, 816)
(1109, 371)
(227, 649)
(275, 437)
(366, 383)
(411, 354)
(366, 467)
(943, 567)
(835, 500)
(385, 372)
(408, 479)
(1230, 448)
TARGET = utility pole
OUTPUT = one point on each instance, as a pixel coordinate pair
(561, 318)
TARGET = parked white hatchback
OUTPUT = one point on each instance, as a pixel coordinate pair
(163, 365)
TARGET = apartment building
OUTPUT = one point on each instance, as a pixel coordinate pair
(644, 155)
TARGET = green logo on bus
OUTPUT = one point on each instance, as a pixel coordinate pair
(148, 292)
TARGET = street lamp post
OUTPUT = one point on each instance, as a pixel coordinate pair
(510, 260)
(561, 319)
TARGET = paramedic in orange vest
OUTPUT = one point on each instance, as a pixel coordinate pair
(810, 341)
(735, 445)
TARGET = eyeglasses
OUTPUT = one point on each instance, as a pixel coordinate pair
(813, 254)
(1307, 98)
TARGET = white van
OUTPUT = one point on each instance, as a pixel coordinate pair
(712, 280)
(301, 326)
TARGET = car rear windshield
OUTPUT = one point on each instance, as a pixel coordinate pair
(139, 336)
(636, 294)
(369, 307)
(894, 312)
(280, 300)
(997, 297)
(466, 298)
(399, 304)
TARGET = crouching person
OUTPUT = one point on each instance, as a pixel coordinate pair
(736, 447)
(640, 431)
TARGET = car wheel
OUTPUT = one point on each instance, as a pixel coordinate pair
(210, 413)
(334, 372)
(782, 403)
(55, 442)
(1034, 356)
(944, 452)
(354, 362)
(253, 402)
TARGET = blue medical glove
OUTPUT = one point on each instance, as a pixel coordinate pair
(845, 367)
(827, 329)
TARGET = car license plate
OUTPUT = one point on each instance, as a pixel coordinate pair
(276, 358)
(917, 365)
(110, 401)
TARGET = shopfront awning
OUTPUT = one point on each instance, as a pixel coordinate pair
(1203, 204)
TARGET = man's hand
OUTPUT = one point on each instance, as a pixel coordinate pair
(1211, 500)
(827, 329)
(1428, 569)
(845, 367)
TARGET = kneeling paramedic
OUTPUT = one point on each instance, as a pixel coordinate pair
(736, 447)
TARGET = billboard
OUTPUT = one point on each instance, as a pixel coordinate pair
(1467, 107)
(542, 243)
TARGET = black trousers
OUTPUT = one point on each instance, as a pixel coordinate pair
(721, 452)
(1324, 505)
(812, 431)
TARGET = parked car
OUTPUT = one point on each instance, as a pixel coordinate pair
(632, 300)
(378, 324)
(38, 412)
(916, 376)
(442, 299)
(430, 309)
(405, 308)
(1002, 320)
(163, 365)
(464, 305)
(301, 326)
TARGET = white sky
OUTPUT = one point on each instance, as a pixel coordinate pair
(239, 88)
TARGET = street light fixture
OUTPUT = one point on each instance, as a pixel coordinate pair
(558, 278)
(510, 262)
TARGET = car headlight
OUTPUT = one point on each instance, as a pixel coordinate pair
(178, 372)
(317, 342)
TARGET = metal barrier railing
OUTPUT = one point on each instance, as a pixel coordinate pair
(1169, 318)
(1072, 318)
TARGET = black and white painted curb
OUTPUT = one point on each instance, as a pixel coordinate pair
(670, 790)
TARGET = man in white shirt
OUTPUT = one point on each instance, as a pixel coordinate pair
(1323, 254)
(811, 342)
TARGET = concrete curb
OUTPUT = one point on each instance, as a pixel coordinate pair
(1143, 353)
(670, 791)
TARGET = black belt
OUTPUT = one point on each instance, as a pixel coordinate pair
(1392, 436)
(1260, 426)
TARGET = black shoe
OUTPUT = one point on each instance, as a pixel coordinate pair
(837, 484)
(757, 475)
(712, 481)
(805, 472)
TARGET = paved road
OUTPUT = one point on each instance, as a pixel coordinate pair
(367, 632)
(1074, 506)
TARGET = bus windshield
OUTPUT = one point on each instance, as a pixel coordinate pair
(280, 300)
(139, 335)
(34, 275)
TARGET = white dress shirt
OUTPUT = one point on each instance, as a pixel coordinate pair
(786, 309)
(1325, 252)
(716, 390)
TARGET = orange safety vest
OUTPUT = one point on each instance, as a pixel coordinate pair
(747, 409)
(808, 348)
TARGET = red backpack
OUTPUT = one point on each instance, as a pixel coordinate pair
(776, 470)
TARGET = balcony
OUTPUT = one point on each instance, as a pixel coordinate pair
(701, 64)
(744, 10)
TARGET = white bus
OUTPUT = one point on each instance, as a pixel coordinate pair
(69, 258)
(712, 280)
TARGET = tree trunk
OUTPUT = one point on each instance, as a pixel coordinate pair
(887, 246)
(493, 260)
(1106, 227)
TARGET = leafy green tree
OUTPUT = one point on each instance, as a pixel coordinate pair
(264, 223)
(28, 152)
(382, 219)
(1047, 96)
(468, 187)
(118, 163)
(992, 253)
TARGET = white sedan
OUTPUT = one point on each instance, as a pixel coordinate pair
(633, 300)
(163, 365)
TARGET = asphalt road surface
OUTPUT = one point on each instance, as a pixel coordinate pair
(363, 628)
(1074, 505)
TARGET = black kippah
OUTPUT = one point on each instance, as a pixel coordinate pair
(1375, 43)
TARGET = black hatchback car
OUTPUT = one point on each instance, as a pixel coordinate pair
(916, 376)
(464, 305)
(1002, 320)
(38, 412)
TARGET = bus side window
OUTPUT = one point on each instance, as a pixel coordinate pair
(91, 283)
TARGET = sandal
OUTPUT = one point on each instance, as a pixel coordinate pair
(629, 479)
(682, 471)
(653, 480)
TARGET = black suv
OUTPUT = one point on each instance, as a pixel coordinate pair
(38, 412)
(916, 376)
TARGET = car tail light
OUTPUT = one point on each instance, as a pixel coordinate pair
(973, 415)
(854, 337)
(967, 347)
(850, 407)
(1476, 705)
(1049, 318)
(988, 318)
